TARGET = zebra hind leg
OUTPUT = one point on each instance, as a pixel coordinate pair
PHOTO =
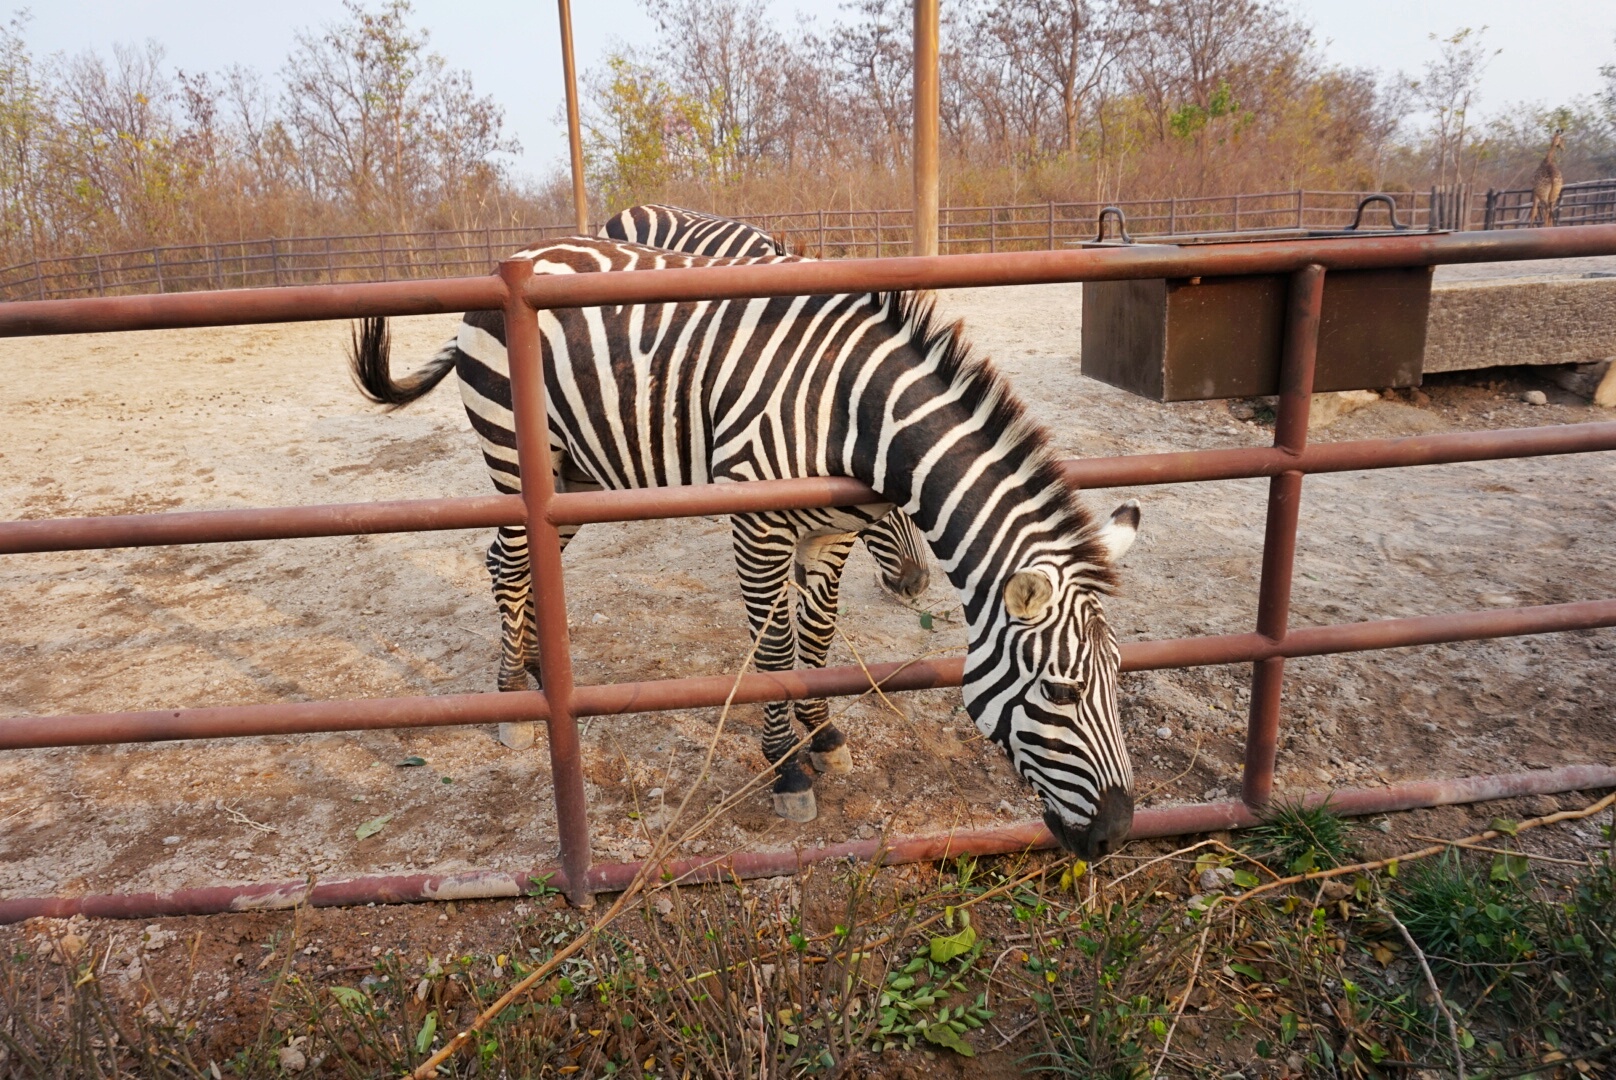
(820, 561)
(764, 548)
(518, 642)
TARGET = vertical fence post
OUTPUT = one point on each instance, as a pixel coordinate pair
(822, 254)
(100, 277)
(1237, 213)
(1051, 224)
(157, 266)
(993, 228)
(275, 260)
(924, 132)
(878, 234)
(544, 554)
(1172, 215)
(1303, 308)
(1299, 197)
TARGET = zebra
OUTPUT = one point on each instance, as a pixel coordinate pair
(868, 385)
(893, 542)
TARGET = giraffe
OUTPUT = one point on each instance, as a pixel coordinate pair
(1546, 184)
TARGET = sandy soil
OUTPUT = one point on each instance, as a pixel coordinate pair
(266, 416)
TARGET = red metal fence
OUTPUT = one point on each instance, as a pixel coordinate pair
(541, 509)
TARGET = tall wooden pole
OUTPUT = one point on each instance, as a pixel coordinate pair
(926, 107)
(580, 200)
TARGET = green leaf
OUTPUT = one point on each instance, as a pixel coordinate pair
(1248, 970)
(349, 998)
(925, 620)
(429, 1028)
(1245, 879)
(1505, 826)
(944, 949)
(373, 826)
(412, 762)
(1391, 868)
(1264, 1048)
(447, 779)
(945, 1036)
(1305, 863)
(1288, 1027)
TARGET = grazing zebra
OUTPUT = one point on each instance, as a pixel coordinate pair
(866, 385)
(893, 542)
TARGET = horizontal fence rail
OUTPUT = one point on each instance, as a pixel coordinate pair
(541, 509)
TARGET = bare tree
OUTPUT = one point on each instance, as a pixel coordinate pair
(1448, 91)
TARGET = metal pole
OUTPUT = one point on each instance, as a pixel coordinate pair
(580, 199)
(925, 133)
(1279, 540)
(544, 555)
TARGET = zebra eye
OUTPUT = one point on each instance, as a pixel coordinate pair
(1061, 693)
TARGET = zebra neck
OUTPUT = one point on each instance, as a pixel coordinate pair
(979, 481)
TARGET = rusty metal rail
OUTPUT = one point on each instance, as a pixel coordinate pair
(520, 295)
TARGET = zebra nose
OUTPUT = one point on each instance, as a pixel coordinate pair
(911, 580)
(1105, 832)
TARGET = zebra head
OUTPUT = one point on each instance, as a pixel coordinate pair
(1042, 683)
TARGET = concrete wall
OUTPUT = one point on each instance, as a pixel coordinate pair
(1491, 323)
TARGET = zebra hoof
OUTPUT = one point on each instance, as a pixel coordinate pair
(518, 736)
(796, 805)
(839, 760)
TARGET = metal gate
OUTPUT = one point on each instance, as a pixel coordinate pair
(541, 509)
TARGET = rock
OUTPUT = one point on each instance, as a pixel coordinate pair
(1535, 397)
(170, 841)
(1326, 409)
(1334, 889)
(664, 906)
(292, 1059)
(1216, 879)
(1242, 410)
(154, 937)
(1164, 733)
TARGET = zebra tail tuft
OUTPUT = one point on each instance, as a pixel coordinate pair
(369, 361)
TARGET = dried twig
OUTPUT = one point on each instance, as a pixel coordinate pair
(1422, 853)
(1430, 980)
(1501, 851)
(1183, 999)
(242, 819)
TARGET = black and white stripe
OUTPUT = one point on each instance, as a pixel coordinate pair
(893, 542)
(862, 385)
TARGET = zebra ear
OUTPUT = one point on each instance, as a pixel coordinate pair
(1027, 593)
(1119, 533)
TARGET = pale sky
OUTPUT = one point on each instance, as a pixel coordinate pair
(1551, 52)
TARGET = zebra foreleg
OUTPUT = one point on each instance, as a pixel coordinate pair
(765, 545)
(819, 565)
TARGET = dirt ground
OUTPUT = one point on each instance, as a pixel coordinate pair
(266, 416)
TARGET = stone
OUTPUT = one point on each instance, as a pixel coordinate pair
(292, 1060)
(1242, 410)
(1164, 733)
(1325, 409)
(1216, 879)
(1535, 397)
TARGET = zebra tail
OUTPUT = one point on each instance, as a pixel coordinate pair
(369, 361)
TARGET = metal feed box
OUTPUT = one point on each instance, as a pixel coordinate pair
(1190, 339)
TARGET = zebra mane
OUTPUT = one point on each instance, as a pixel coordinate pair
(979, 383)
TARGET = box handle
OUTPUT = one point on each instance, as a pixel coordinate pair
(1391, 210)
(1115, 213)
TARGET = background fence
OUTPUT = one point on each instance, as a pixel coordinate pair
(830, 234)
(1590, 203)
